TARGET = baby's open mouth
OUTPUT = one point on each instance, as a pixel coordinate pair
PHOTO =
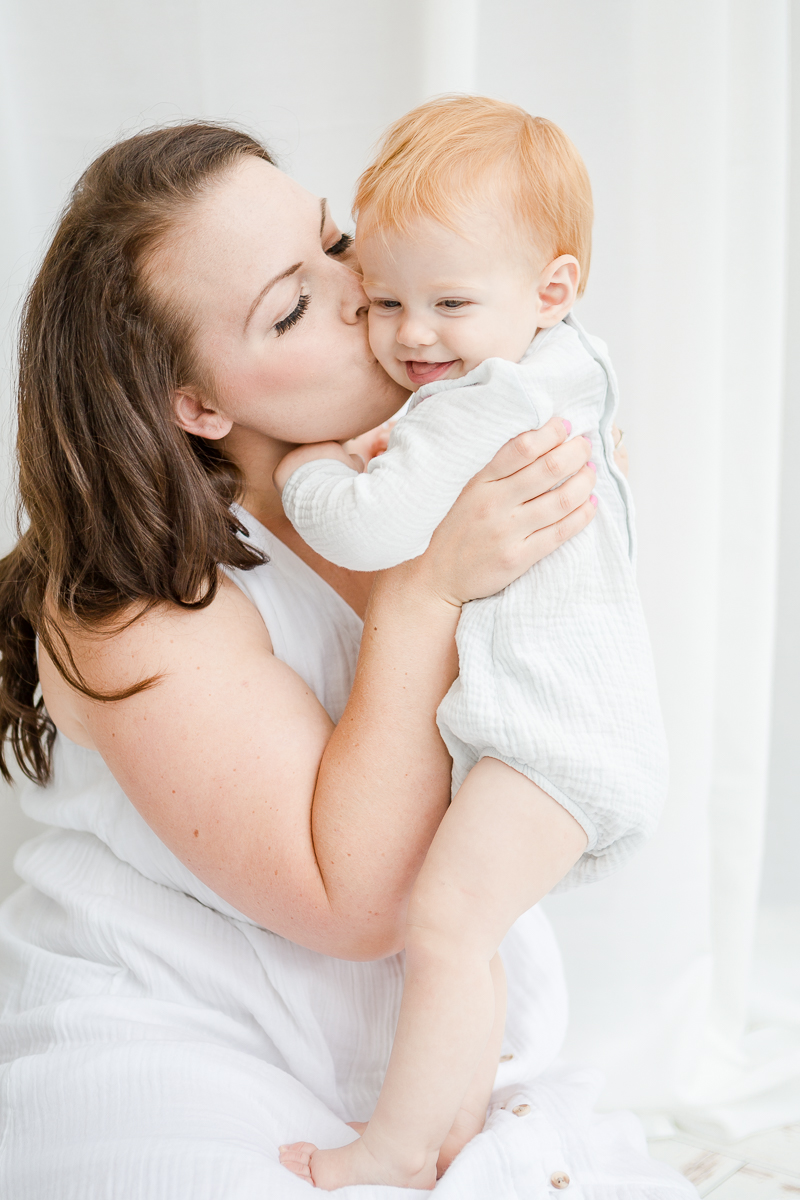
(425, 372)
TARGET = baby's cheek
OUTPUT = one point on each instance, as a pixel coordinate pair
(381, 343)
(376, 340)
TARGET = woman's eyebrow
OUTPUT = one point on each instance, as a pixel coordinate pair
(276, 279)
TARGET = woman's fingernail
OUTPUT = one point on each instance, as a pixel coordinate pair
(593, 500)
(567, 424)
(586, 438)
(592, 465)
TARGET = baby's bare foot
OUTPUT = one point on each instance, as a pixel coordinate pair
(297, 1158)
(464, 1129)
(332, 1169)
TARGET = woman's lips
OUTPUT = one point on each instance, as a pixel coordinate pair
(426, 372)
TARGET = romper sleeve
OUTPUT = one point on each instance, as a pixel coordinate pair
(387, 514)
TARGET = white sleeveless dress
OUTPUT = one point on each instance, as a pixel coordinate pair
(156, 1044)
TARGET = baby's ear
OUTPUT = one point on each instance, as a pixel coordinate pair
(557, 290)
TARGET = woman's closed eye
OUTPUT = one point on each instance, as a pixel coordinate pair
(342, 246)
(297, 313)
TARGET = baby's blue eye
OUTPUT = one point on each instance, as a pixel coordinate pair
(453, 303)
(389, 303)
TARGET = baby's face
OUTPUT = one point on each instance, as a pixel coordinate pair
(441, 302)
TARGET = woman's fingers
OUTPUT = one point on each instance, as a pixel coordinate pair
(552, 505)
(537, 461)
(541, 542)
(532, 497)
(524, 450)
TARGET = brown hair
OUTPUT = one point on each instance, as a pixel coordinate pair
(120, 507)
(441, 157)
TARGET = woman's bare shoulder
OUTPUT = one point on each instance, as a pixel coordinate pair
(220, 755)
(161, 644)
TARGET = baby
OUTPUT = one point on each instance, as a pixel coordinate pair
(474, 232)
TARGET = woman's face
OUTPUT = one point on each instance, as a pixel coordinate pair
(280, 320)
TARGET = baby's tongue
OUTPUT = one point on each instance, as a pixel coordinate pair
(425, 372)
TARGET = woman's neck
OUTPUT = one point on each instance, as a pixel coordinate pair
(257, 456)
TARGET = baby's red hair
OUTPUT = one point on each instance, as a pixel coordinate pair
(451, 152)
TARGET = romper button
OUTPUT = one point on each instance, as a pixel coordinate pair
(506, 1057)
(559, 1179)
(521, 1110)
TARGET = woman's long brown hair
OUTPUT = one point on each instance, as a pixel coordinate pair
(119, 508)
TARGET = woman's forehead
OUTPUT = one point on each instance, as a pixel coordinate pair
(249, 225)
(256, 206)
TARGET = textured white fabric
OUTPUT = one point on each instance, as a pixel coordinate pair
(157, 1045)
(555, 672)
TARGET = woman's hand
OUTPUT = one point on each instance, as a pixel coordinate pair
(531, 498)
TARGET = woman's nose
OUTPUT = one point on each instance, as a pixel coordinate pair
(355, 303)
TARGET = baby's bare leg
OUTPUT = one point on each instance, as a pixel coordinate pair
(471, 1116)
(501, 846)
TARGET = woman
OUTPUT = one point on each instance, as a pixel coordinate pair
(203, 962)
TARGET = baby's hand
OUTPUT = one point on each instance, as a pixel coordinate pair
(372, 443)
(311, 453)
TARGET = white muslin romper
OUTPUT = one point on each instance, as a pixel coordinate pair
(555, 672)
(156, 1044)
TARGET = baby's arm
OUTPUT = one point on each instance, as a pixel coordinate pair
(314, 452)
(386, 515)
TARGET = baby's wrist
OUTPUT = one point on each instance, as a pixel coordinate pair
(314, 452)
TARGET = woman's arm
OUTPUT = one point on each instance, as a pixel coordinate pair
(313, 832)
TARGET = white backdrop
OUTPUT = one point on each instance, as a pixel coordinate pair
(684, 968)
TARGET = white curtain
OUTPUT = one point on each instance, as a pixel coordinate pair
(683, 969)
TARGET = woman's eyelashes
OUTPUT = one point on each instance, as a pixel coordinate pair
(294, 316)
(344, 243)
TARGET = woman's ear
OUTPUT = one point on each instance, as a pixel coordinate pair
(195, 417)
(557, 290)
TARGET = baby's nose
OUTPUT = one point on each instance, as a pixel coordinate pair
(414, 332)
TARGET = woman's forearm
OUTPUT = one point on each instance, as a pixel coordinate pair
(384, 780)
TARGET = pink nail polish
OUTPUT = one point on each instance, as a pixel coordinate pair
(593, 500)
(592, 465)
(567, 425)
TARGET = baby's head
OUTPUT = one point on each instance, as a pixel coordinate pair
(474, 230)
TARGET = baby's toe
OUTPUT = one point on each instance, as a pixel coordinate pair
(297, 1158)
